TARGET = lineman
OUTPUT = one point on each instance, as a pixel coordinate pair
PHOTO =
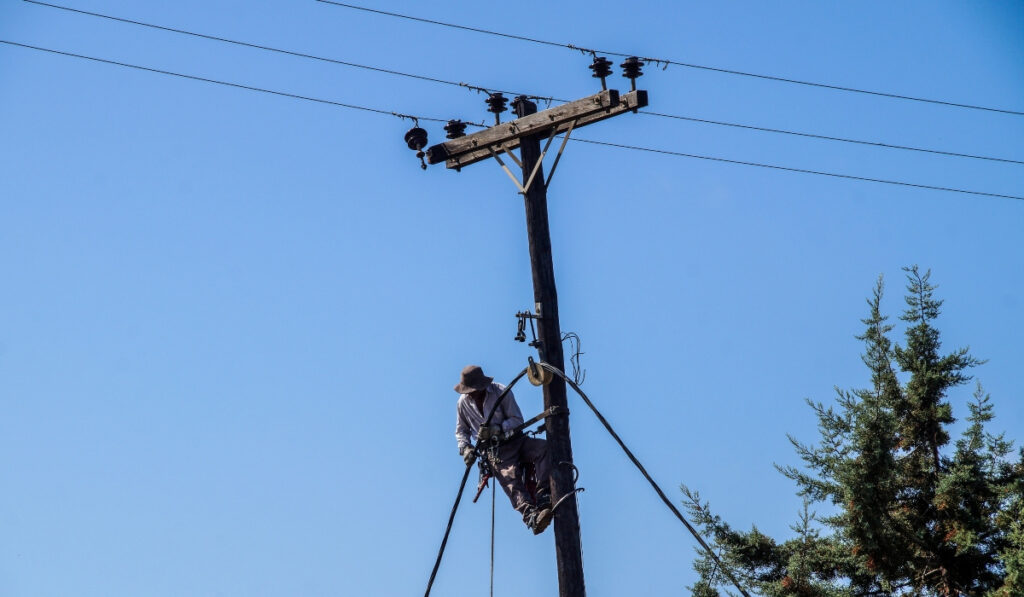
(478, 395)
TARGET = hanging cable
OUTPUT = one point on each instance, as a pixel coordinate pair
(462, 485)
(665, 61)
(646, 475)
(576, 350)
(494, 491)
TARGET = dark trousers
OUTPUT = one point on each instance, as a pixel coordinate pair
(513, 456)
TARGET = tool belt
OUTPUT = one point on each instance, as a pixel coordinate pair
(488, 451)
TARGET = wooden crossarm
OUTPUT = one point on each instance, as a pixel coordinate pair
(506, 136)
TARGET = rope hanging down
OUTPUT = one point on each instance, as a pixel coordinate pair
(647, 476)
(462, 486)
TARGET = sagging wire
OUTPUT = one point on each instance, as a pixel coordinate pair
(575, 347)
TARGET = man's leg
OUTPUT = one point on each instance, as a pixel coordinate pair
(536, 451)
(507, 474)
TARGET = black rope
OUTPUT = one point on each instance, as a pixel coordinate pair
(647, 476)
(494, 492)
(462, 486)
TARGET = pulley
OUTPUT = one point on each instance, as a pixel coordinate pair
(496, 103)
(631, 70)
(538, 376)
(602, 67)
(455, 129)
(416, 139)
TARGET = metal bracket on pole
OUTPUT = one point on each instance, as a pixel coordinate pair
(507, 149)
(507, 171)
(560, 150)
(540, 160)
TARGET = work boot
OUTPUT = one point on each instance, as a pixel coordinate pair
(537, 519)
(543, 500)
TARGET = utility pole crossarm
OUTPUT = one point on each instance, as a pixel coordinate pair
(506, 136)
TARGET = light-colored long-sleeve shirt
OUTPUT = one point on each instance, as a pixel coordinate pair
(468, 419)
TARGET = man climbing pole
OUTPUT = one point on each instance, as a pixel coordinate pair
(506, 455)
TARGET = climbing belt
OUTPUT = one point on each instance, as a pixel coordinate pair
(629, 454)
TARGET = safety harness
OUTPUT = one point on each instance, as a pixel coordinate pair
(488, 454)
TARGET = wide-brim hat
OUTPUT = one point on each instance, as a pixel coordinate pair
(472, 379)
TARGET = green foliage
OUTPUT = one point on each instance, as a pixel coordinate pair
(912, 515)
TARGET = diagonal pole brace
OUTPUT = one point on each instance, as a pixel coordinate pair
(507, 171)
(540, 160)
(565, 140)
(515, 159)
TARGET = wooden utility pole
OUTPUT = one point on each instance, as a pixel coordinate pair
(568, 548)
(526, 133)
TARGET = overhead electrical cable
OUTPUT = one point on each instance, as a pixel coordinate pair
(798, 170)
(830, 138)
(667, 61)
(478, 88)
(228, 84)
(480, 125)
(276, 50)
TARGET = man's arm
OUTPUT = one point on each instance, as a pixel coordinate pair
(513, 416)
(463, 430)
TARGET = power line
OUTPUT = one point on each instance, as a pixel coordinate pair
(486, 90)
(424, 118)
(666, 61)
(272, 49)
(229, 84)
(799, 170)
(830, 138)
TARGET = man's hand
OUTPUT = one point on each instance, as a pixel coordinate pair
(487, 432)
(468, 455)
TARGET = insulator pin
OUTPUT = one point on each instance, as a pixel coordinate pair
(631, 70)
(496, 104)
(455, 129)
(602, 68)
(416, 139)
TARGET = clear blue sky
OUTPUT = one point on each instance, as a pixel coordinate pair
(231, 321)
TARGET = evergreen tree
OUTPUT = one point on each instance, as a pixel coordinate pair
(910, 515)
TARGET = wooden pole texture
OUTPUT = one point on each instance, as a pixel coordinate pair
(568, 548)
